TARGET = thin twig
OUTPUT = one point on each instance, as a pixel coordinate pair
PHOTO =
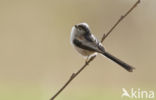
(72, 77)
(92, 58)
(119, 20)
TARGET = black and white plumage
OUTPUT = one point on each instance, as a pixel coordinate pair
(87, 44)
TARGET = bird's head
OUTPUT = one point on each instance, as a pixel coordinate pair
(82, 28)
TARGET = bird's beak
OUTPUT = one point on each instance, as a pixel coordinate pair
(76, 26)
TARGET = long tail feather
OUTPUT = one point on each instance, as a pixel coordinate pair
(118, 61)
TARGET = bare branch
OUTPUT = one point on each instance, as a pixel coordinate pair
(92, 58)
(119, 20)
(72, 77)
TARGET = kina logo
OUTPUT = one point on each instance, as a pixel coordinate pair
(137, 94)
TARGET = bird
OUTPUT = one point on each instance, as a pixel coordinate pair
(88, 45)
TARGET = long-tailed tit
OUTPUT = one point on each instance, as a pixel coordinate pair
(87, 44)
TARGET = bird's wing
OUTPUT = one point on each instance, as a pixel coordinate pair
(90, 38)
(89, 43)
(92, 41)
(81, 45)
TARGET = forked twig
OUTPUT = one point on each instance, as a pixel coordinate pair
(92, 58)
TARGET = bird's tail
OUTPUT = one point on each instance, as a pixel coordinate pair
(118, 61)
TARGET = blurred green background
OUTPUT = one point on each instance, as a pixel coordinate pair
(36, 57)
